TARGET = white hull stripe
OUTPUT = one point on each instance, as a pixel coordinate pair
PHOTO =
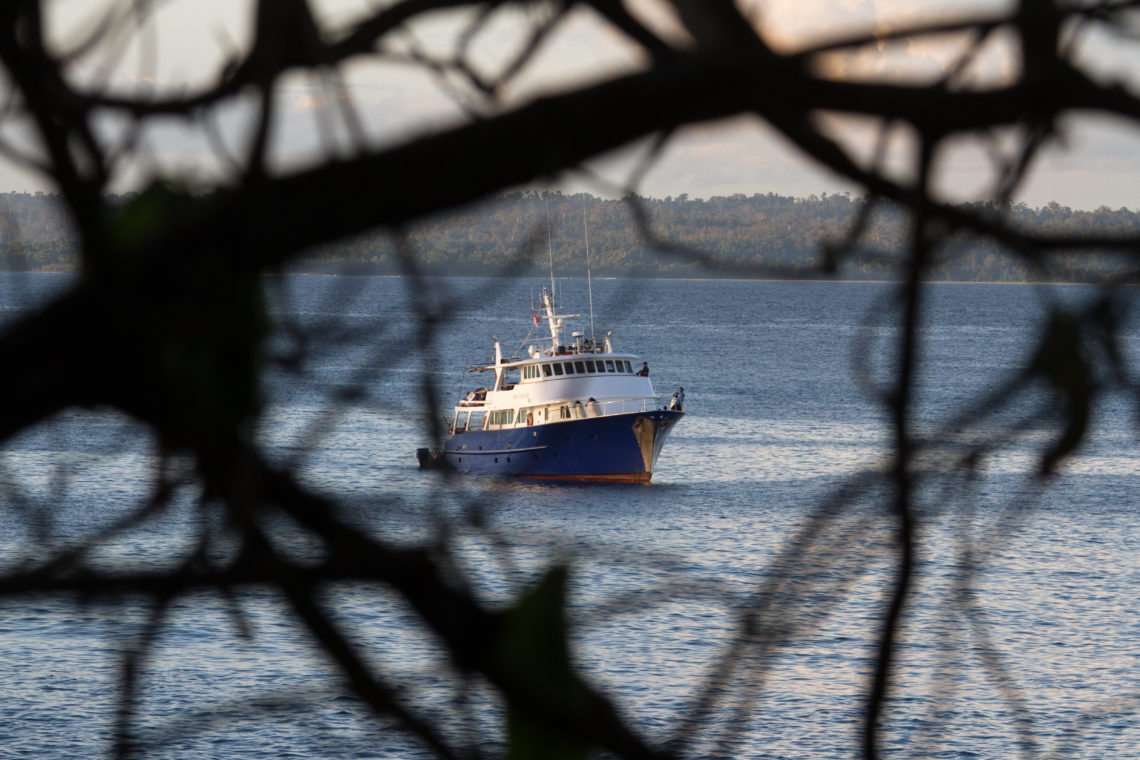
(496, 451)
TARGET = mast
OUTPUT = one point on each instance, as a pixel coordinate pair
(549, 244)
(589, 282)
(554, 320)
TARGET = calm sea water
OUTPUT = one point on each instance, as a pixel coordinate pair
(1022, 634)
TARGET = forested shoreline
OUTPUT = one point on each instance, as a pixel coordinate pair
(770, 236)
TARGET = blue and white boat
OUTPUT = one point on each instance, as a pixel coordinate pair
(569, 410)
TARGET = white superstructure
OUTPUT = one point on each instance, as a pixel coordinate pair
(555, 382)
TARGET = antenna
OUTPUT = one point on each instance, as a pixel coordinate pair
(589, 282)
(550, 248)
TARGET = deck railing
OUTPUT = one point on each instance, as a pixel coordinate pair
(620, 406)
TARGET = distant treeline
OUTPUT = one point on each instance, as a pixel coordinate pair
(736, 236)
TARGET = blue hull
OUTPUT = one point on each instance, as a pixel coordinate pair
(620, 448)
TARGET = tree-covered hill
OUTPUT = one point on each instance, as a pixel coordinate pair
(736, 236)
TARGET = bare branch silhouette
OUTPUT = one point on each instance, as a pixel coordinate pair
(167, 324)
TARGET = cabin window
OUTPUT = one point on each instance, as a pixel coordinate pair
(569, 368)
(609, 365)
(565, 412)
(557, 369)
(509, 417)
(628, 367)
(589, 366)
(546, 370)
(619, 365)
(580, 367)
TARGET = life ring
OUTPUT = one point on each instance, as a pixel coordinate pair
(530, 418)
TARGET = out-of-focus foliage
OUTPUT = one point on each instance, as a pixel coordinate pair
(165, 324)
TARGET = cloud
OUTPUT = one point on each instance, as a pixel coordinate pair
(740, 155)
(794, 25)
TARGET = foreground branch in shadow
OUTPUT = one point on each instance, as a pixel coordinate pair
(167, 323)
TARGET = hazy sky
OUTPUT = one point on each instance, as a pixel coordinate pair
(188, 41)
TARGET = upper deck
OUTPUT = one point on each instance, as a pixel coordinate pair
(511, 373)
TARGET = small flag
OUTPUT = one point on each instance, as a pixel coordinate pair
(537, 319)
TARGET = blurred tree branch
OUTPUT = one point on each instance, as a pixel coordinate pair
(121, 338)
